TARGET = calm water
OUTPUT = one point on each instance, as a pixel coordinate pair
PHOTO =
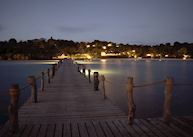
(149, 100)
(12, 72)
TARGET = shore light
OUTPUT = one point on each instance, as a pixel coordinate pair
(103, 53)
(104, 47)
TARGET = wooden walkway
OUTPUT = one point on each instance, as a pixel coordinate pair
(70, 107)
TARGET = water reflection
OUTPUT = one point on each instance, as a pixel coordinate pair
(149, 100)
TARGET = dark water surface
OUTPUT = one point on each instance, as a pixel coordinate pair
(149, 100)
(16, 72)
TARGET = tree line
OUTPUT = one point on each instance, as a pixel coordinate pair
(47, 49)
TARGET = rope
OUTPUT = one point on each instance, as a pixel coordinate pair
(183, 84)
(23, 89)
(38, 77)
(109, 82)
(150, 84)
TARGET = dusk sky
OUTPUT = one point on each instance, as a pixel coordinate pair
(121, 21)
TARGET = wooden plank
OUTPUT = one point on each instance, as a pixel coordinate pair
(105, 129)
(145, 128)
(74, 129)
(90, 128)
(82, 129)
(139, 130)
(156, 131)
(184, 126)
(43, 130)
(121, 129)
(113, 128)
(27, 131)
(162, 128)
(176, 129)
(98, 129)
(50, 132)
(20, 131)
(67, 132)
(4, 130)
(129, 128)
(59, 130)
(35, 130)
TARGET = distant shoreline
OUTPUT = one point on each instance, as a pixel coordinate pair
(105, 58)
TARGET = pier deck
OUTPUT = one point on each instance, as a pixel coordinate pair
(70, 107)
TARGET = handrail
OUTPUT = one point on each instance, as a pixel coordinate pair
(150, 84)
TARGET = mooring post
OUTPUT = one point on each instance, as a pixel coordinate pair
(78, 67)
(32, 82)
(131, 104)
(83, 69)
(96, 81)
(89, 75)
(14, 93)
(42, 82)
(168, 100)
(103, 86)
(48, 76)
(53, 71)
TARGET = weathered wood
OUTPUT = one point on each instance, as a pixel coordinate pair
(68, 108)
(131, 104)
(151, 127)
(48, 73)
(89, 78)
(103, 86)
(83, 69)
(168, 100)
(14, 93)
(96, 81)
(53, 70)
(32, 82)
(42, 82)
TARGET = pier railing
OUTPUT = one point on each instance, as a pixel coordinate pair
(32, 82)
(168, 91)
(93, 78)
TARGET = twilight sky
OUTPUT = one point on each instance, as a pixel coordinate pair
(126, 21)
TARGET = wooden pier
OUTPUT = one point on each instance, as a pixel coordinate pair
(69, 107)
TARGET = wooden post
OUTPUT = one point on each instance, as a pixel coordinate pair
(96, 81)
(42, 82)
(168, 100)
(78, 68)
(103, 86)
(89, 75)
(14, 93)
(131, 104)
(32, 83)
(48, 76)
(83, 69)
(53, 71)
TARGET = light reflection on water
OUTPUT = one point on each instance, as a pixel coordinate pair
(149, 100)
